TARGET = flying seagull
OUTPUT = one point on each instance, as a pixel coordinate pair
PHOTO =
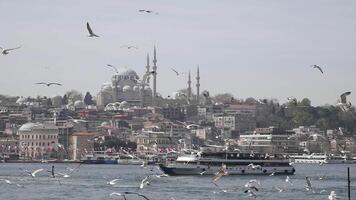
(144, 182)
(308, 185)
(48, 84)
(288, 180)
(112, 182)
(222, 172)
(129, 46)
(343, 97)
(138, 194)
(175, 71)
(32, 174)
(91, 33)
(318, 67)
(148, 11)
(7, 51)
(117, 194)
(112, 66)
(333, 195)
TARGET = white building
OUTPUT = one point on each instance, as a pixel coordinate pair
(38, 141)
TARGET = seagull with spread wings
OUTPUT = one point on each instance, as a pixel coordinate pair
(32, 174)
(91, 33)
(175, 71)
(148, 11)
(318, 67)
(113, 67)
(49, 84)
(7, 51)
(129, 46)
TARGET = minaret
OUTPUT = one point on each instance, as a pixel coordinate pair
(148, 66)
(154, 68)
(198, 85)
(189, 87)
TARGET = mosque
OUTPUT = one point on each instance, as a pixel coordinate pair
(127, 89)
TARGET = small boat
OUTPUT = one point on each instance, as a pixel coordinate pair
(237, 163)
(317, 158)
(100, 157)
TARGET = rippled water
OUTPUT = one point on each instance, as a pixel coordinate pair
(90, 182)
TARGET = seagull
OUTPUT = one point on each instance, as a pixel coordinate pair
(288, 180)
(202, 173)
(48, 84)
(113, 182)
(7, 51)
(175, 71)
(318, 67)
(138, 194)
(252, 166)
(112, 66)
(148, 11)
(32, 174)
(117, 194)
(308, 185)
(220, 173)
(279, 189)
(6, 181)
(129, 46)
(91, 33)
(250, 193)
(144, 182)
(252, 184)
(333, 195)
(272, 174)
(343, 97)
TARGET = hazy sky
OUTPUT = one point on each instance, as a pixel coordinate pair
(257, 49)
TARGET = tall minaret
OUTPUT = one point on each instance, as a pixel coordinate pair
(148, 66)
(154, 75)
(198, 85)
(189, 87)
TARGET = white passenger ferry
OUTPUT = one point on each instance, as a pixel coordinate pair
(316, 158)
(237, 163)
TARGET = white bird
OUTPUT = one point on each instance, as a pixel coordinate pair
(144, 182)
(308, 185)
(252, 166)
(6, 181)
(113, 182)
(317, 67)
(250, 193)
(253, 183)
(322, 191)
(7, 51)
(288, 180)
(32, 174)
(272, 174)
(91, 33)
(117, 194)
(279, 189)
(333, 195)
(202, 173)
(222, 172)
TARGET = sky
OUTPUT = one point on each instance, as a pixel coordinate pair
(259, 49)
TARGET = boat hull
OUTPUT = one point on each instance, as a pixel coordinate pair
(235, 170)
(99, 162)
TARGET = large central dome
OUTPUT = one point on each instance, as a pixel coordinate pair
(126, 72)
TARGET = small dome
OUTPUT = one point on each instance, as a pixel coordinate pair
(135, 88)
(27, 127)
(79, 104)
(126, 88)
(106, 86)
(127, 72)
(21, 100)
(147, 88)
(124, 104)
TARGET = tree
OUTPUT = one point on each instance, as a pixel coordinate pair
(74, 95)
(88, 99)
(57, 101)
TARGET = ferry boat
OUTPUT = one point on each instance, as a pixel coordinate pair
(100, 157)
(316, 158)
(237, 163)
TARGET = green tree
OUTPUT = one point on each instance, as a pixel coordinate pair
(88, 99)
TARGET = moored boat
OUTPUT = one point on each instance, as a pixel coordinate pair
(237, 163)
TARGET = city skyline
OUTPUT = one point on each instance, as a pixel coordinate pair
(255, 49)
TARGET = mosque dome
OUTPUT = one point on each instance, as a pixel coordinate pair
(126, 88)
(124, 104)
(106, 86)
(127, 72)
(21, 100)
(28, 126)
(79, 104)
(135, 88)
(147, 88)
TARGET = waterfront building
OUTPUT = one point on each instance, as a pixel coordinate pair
(80, 144)
(38, 140)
